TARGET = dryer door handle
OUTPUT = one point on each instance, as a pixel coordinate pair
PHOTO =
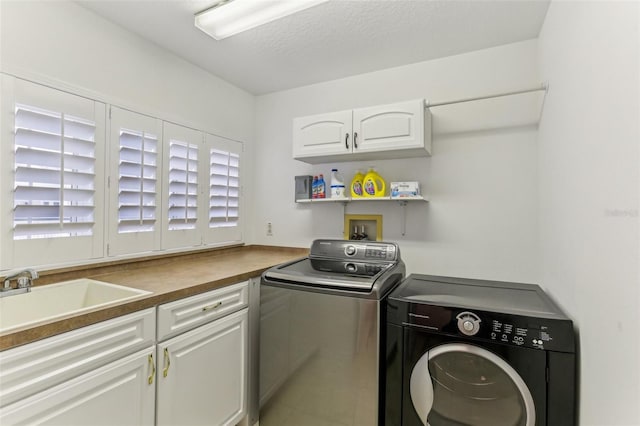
(421, 388)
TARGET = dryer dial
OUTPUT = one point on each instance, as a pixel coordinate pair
(468, 323)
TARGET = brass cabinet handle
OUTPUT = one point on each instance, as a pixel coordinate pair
(153, 369)
(209, 307)
(346, 140)
(167, 362)
(355, 140)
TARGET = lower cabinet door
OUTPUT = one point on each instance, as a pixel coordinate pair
(202, 374)
(120, 393)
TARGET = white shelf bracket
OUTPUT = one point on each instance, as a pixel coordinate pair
(403, 206)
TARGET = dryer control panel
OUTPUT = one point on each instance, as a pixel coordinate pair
(536, 333)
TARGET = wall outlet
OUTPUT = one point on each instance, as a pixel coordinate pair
(269, 229)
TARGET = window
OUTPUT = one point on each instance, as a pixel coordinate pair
(224, 174)
(137, 178)
(224, 188)
(183, 185)
(135, 175)
(181, 188)
(154, 186)
(53, 144)
(54, 174)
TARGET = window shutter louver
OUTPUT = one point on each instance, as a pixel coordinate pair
(137, 181)
(54, 188)
(183, 185)
(224, 191)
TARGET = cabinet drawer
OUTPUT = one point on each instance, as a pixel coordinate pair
(182, 315)
(31, 368)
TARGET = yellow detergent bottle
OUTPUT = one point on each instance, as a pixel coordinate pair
(357, 187)
(374, 185)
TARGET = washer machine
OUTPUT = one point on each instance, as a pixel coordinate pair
(321, 342)
(482, 353)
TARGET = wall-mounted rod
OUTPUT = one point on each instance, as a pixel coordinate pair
(543, 86)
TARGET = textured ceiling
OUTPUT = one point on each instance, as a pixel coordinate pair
(333, 40)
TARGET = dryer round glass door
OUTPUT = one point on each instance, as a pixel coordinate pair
(463, 384)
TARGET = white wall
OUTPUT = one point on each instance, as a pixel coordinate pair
(482, 184)
(589, 193)
(69, 45)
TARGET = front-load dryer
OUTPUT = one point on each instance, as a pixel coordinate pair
(464, 352)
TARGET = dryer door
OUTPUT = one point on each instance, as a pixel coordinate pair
(461, 384)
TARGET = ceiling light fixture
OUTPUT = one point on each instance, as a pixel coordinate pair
(231, 17)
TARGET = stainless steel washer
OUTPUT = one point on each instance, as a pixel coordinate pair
(320, 337)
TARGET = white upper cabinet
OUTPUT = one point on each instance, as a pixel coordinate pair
(323, 134)
(391, 128)
(398, 130)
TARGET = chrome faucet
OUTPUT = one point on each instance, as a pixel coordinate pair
(24, 280)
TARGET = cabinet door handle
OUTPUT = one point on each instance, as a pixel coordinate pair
(153, 369)
(346, 140)
(355, 140)
(209, 307)
(167, 363)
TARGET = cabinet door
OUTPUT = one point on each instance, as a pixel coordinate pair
(202, 374)
(323, 134)
(120, 393)
(392, 127)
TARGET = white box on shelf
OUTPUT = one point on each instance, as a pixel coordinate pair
(405, 189)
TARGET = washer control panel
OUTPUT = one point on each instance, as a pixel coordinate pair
(370, 251)
(515, 330)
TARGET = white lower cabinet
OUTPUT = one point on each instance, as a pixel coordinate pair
(119, 393)
(114, 372)
(202, 374)
(202, 371)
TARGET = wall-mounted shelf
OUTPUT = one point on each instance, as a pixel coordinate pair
(402, 201)
(344, 201)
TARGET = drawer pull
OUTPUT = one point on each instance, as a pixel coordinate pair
(209, 307)
(153, 369)
(167, 362)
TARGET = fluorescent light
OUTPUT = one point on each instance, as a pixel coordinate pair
(234, 16)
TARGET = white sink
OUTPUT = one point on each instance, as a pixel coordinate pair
(45, 303)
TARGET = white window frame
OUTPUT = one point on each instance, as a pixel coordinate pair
(122, 243)
(29, 252)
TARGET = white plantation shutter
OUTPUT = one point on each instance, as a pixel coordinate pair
(53, 152)
(54, 174)
(222, 208)
(224, 188)
(183, 185)
(135, 190)
(137, 181)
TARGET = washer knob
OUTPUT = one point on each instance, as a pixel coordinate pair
(468, 323)
(350, 250)
(350, 267)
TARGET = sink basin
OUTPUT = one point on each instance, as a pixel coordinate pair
(45, 303)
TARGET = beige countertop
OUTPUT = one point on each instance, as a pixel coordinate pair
(168, 278)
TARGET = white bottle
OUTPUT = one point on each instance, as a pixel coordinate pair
(337, 184)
